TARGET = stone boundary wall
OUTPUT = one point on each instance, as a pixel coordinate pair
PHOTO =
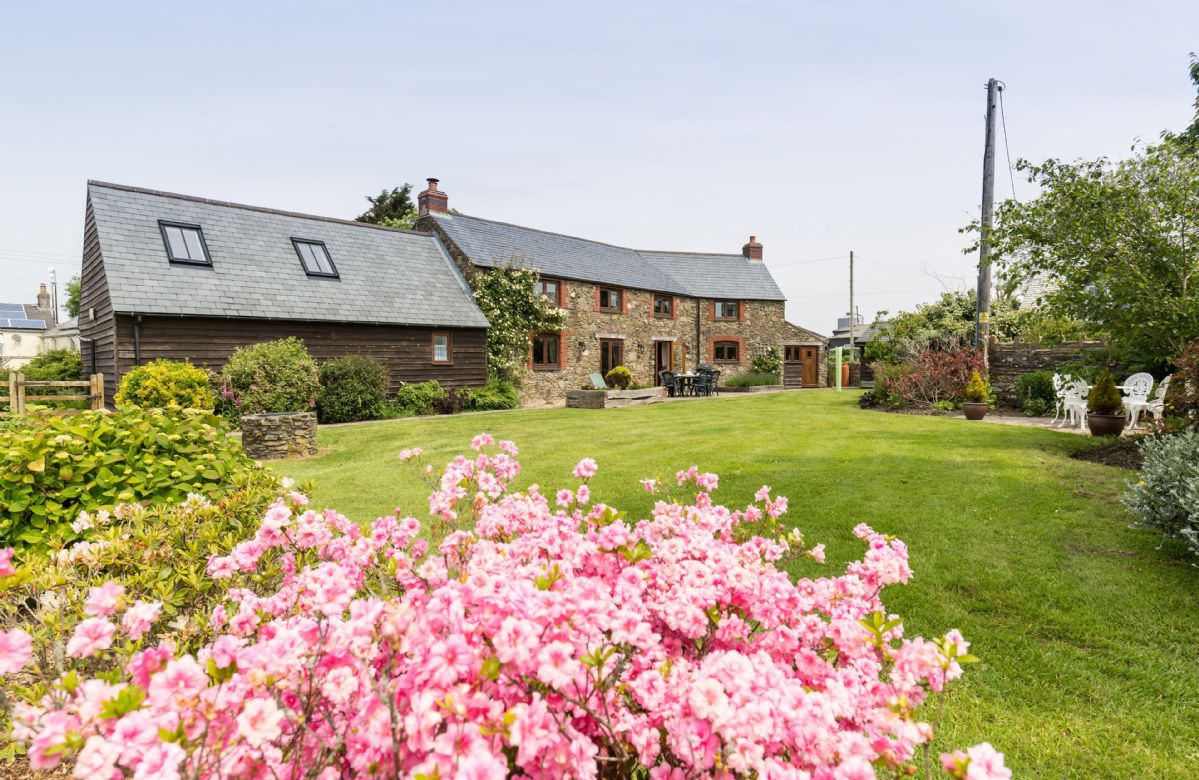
(1008, 360)
(279, 435)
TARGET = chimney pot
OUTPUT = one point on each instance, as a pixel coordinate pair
(752, 250)
(432, 199)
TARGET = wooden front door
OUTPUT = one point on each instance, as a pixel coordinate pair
(611, 355)
(663, 358)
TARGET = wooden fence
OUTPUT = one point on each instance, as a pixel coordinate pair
(18, 394)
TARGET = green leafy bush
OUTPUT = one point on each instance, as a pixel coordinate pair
(1034, 392)
(419, 397)
(273, 376)
(1166, 495)
(352, 388)
(755, 379)
(976, 389)
(1104, 398)
(52, 467)
(619, 377)
(166, 384)
(768, 362)
(455, 400)
(56, 365)
(496, 394)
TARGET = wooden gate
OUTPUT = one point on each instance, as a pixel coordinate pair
(18, 394)
(801, 366)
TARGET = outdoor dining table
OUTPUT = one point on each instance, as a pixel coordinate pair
(684, 384)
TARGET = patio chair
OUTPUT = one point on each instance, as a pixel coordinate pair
(1136, 395)
(1156, 406)
(1074, 402)
(597, 381)
(715, 376)
(703, 382)
(666, 379)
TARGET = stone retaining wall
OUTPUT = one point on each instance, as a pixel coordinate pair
(1008, 360)
(279, 435)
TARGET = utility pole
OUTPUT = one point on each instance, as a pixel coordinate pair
(852, 316)
(983, 300)
(54, 292)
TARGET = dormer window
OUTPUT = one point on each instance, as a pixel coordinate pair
(314, 256)
(184, 243)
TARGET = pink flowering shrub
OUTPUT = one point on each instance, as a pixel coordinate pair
(548, 636)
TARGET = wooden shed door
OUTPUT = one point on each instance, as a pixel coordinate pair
(811, 366)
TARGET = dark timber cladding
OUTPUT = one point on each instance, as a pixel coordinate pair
(97, 334)
(407, 352)
(185, 278)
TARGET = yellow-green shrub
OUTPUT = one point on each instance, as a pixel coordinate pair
(166, 384)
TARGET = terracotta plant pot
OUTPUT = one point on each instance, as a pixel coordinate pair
(1105, 424)
(974, 411)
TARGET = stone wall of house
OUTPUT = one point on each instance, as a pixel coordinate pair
(1008, 360)
(761, 325)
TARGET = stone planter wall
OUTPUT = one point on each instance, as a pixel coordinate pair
(609, 399)
(754, 389)
(1008, 360)
(279, 435)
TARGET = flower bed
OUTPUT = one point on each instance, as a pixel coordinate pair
(546, 636)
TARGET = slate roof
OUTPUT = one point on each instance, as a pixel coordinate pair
(68, 327)
(695, 274)
(387, 276)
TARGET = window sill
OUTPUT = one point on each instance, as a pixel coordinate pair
(610, 311)
(441, 363)
(547, 368)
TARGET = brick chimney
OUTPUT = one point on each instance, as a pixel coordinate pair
(43, 299)
(432, 199)
(752, 250)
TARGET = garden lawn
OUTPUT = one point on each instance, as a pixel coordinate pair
(1086, 628)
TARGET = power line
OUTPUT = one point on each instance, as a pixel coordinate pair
(810, 262)
(1006, 149)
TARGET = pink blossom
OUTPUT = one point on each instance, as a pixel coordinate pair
(565, 498)
(410, 454)
(583, 494)
(137, 619)
(986, 763)
(763, 494)
(510, 448)
(707, 482)
(91, 636)
(259, 722)
(6, 567)
(650, 485)
(817, 553)
(97, 760)
(585, 469)
(178, 684)
(481, 441)
(16, 648)
(103, 601)
(160, 762)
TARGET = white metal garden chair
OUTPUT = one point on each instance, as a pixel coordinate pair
(1059, 383)
(1136, 395)
(1074, 402)
(1156, 406)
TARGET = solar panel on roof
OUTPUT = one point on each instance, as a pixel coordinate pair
(13, 307)
(23, 323)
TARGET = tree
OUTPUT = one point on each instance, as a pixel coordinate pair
(947, 325)
(1188, 139)
(507, 295)
(392, 208)
(1118, 243)
(74, 289)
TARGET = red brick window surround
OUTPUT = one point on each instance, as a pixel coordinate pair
(726, 349)
(609, 299)
(726, 310)
(665, 307)
(546, 352)
(550, 288)
(443, 348)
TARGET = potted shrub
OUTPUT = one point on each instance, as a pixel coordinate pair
(1105, 407)
(975, 406)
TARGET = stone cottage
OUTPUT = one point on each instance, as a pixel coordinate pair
(650, 311)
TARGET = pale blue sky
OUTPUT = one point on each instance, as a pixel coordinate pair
(819, 127)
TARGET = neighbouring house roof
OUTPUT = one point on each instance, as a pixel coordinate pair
(24, 316)
(490, 244)
(386, 275)
(68, 327)
(1031, 292)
